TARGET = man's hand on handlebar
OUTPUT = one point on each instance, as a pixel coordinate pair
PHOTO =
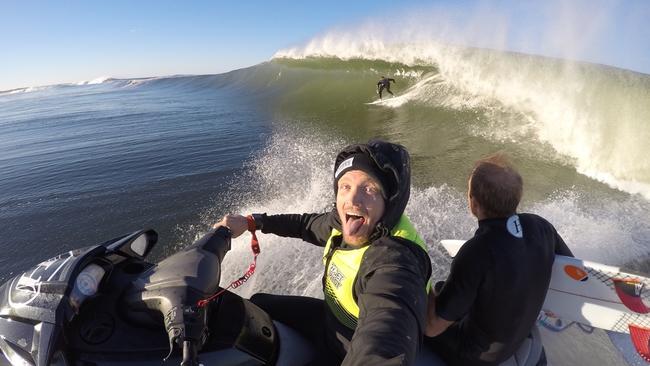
(236, 223)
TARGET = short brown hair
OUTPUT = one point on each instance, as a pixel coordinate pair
(496, 185)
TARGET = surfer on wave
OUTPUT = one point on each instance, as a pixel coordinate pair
(384, 83)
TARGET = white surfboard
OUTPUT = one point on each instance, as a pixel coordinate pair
(595, 294)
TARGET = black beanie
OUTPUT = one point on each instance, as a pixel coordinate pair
(365, 163)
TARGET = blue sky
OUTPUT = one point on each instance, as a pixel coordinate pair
(48, 42)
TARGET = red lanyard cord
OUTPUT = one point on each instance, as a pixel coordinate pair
(255, 247)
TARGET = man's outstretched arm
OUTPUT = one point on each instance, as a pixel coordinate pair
(313, 228)
(391, 294)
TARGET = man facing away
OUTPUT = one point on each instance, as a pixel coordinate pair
(384, 83)
(499, 278)
(376, 265)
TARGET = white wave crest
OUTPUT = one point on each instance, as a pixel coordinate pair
(28, 89)
(95, 81)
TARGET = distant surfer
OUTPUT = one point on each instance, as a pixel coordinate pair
(498, 280)
(384, 83)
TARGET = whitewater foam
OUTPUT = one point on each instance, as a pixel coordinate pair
(95, 81)
(29, 89)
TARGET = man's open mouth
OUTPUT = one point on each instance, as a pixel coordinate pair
(349, 216)
(353, 223)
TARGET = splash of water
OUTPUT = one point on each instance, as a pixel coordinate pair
(293, 174)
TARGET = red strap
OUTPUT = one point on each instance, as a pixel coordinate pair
(255, 247)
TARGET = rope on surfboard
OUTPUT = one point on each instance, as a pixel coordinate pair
(255, 247)
(553, 323)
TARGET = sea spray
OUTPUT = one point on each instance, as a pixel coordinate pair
(293, 175)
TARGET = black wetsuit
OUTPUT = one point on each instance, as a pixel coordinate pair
(496, 288)
(384, 83)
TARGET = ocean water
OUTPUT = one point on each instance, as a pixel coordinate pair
(80, 164)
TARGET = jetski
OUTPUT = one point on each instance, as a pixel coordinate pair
(106, 305)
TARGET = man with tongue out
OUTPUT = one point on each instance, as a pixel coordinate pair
(376, 265)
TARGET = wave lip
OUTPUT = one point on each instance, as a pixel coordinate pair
(27, 89)
(31, 89)
(95, 81)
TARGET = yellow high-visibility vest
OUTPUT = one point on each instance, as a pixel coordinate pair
(341, 270)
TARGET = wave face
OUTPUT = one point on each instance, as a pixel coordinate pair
(593, 117)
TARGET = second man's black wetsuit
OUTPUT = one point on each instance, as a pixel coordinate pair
(496, 288)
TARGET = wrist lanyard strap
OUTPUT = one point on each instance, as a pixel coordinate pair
(255, 247)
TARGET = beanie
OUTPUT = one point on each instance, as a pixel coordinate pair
(366, 164)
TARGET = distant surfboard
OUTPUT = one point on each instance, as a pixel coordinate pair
(390, 101)
(597, 295)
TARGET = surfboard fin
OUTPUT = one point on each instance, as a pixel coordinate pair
(641, 340)
(629, 291)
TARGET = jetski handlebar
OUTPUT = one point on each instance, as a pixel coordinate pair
(174, 287)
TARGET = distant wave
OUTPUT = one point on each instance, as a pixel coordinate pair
(99, 80)
(96, 81)
(25, 90)
(31, 89)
